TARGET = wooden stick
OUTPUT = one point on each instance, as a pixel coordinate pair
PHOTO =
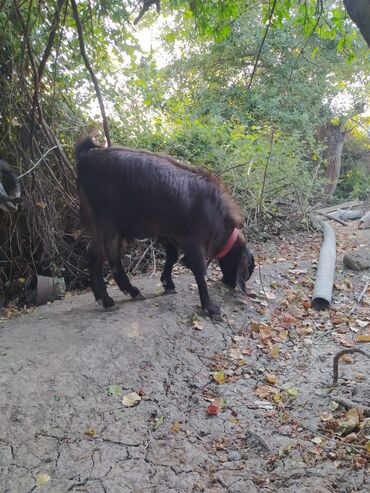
(359, 298)
(338, 356)
(333, 218)
(350, 405)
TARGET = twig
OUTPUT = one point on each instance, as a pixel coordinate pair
(359, 298)
(365, 410)
(38, 75)
(91, 72)
(262, 43)
(253, 439)
(333, 218)
(146, 6)
(13, 200)
(39, 161)
(339, 355)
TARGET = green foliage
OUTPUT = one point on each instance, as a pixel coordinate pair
(355, 177)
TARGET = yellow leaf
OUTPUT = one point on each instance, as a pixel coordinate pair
(350, 421)
(175, 427)
(271, 378)
(367, 446)
(293, 392)
(90, 432)
(277, 397)
(353, 415)
(274, 351)
(283, 334)
(363, 337)
(218, 376)
(42, 479)
(131, 399)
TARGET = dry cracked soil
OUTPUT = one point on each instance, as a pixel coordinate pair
(240, 406)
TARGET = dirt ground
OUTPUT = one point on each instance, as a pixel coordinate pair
(240, 406)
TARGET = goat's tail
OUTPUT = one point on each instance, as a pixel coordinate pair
(83, 147)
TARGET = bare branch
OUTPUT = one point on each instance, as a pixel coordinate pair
(91, 72)
(146, 6)
(262, 43)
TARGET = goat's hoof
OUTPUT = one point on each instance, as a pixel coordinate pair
(170, 291)
(108, 302)
(138, 296)
(214, 313)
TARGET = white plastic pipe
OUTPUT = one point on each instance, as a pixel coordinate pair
(323, 289)
(351, 214)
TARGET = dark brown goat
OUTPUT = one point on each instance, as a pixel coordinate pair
(127, 194)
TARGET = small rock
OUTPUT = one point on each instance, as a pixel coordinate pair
(357, 260)
(234, 455)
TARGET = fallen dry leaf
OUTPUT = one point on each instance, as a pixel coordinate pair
(316, 440)
(347, 359)
(344, 340)
(363, 337)
(132, 399)
(293, 392)
(90, 432)
(274, 351)
(175, 427)
(349, 422)
(359, 377)
(350, 438)
(213, 409)
(359, 462)
(271, 379)
(326, 416)
(218, 377)
(42, 479)
(262, 391)
(115, 390)
(196, 325)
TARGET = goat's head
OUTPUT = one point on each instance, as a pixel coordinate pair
(237, 266)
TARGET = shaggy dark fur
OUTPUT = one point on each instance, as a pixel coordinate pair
(128, 194)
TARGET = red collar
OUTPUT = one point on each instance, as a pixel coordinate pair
(229, 244)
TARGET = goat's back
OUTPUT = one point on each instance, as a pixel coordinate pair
(143, 194)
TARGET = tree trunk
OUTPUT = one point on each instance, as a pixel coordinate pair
(335, 135)
(359, 12)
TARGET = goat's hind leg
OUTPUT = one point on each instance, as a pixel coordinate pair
(120, 275)
(97, 279)
(171, 258)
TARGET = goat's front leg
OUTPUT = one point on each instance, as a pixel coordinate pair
(196, 261)
(171, 258)
(97, 279)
